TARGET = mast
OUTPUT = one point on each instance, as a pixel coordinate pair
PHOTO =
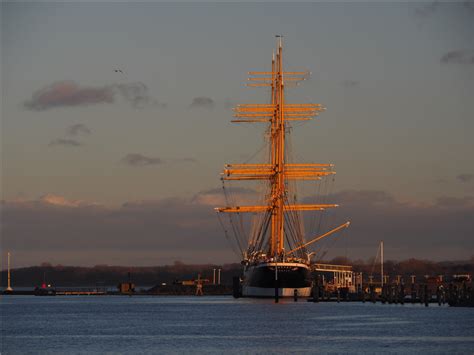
(277, 172)
(381, 263)
(278, 137)
(9, 286)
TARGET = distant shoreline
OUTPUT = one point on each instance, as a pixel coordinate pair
(105, 276)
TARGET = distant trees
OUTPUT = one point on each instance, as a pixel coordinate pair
(110, 276)
(106, 275)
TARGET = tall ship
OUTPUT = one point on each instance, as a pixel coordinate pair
(275, 252)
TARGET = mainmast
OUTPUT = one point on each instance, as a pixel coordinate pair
(278, 157)
(278, 171)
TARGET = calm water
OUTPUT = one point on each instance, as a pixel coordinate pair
(115, 324)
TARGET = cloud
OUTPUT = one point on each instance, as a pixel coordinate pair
(54, 228)
(136, 160)
(453, 202)
(136, 94)
(469, 5)
(427, 10)
(202, 101)
(410, 229)
(65, 142)
(465, 177)
(64, 231)
(72, 131)
(351, 83)
(61, 201)
(462, 56)
(218, 198)
(68, 93)
(77, 129)
(71, 94)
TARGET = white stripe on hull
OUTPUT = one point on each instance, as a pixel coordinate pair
(249, 291)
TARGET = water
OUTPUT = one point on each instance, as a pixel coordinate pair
(142, 324)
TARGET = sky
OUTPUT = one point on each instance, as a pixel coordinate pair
(116, 124)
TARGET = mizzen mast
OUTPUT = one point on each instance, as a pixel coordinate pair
(278, 171)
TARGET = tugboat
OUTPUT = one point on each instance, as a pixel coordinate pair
(276, 261)
(45, 289)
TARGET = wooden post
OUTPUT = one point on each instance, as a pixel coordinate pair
(426, 295)
(236, 287)
(402, 293)
(316, 289)
(276, 284)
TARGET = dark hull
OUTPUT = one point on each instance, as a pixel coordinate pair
(260, 280)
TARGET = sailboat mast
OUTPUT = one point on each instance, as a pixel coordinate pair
(381, 263)
(9, 286)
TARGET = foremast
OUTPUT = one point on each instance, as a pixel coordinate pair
(278, 172)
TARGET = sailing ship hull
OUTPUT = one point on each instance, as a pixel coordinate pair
(262, 279)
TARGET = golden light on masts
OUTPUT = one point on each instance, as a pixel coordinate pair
(277, 113)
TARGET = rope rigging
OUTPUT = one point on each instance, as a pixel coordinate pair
(277, 229)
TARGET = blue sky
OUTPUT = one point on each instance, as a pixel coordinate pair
(397, 79)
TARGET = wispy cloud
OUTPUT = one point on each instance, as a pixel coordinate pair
(137, 160)
(58, 200)
(77, 130)
(71, 94)
(465, 178)
(462, 56)
(65, 142)
(351, 83)
(202, 102)
(68, 93)
(427, 9)
(136, 94)
(449, 202)
(469, 5)
(217, 198)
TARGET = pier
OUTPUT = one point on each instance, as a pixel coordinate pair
(457, 293)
